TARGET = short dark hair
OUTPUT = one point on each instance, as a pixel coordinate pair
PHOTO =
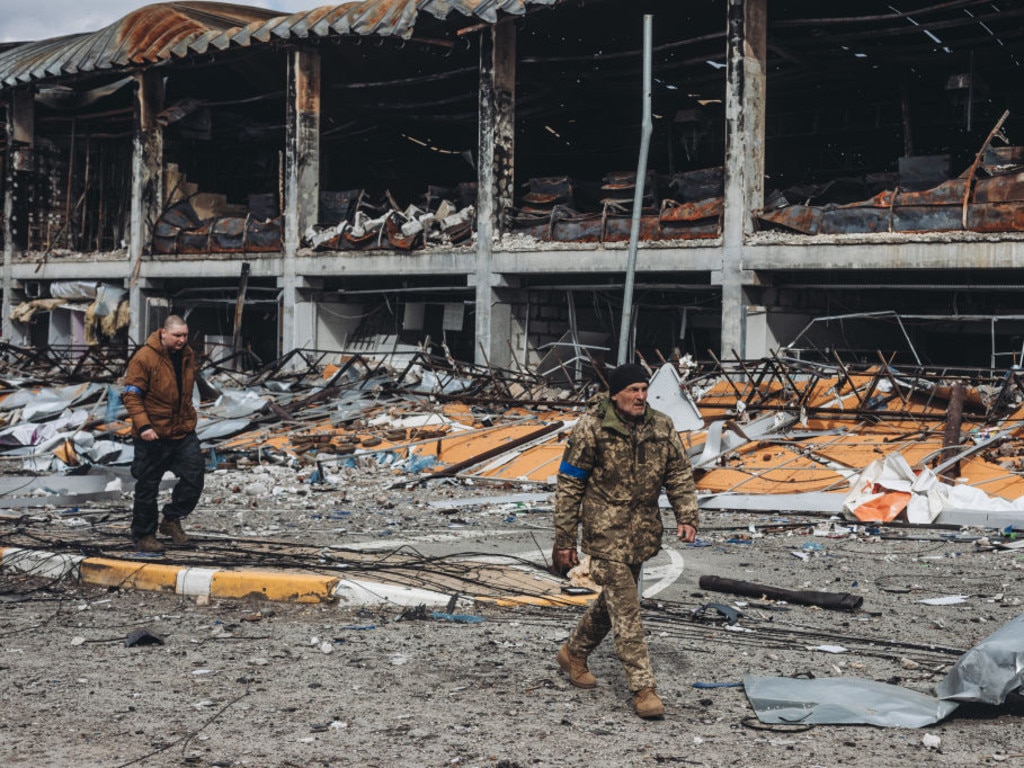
(173, 320)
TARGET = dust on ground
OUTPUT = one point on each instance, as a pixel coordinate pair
(249, 683)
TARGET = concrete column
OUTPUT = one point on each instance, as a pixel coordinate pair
(302, 186)
(147, 190)
(20, 130)
(745, 94)
(495, 185)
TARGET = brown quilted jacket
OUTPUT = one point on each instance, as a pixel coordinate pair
(151, 391)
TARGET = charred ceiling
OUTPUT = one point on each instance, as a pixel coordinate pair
(848, 95)
(874, 118)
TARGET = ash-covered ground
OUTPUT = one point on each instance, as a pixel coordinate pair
(249, 683)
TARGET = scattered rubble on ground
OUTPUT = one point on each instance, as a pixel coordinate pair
(372, 468)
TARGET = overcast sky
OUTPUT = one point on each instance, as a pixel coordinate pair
(22, 20)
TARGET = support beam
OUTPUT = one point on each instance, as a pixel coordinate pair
(20, 130)
(302, 182)
(243, 287)
(504, 121)
(495, 181)
(745, 93)
(147, 189)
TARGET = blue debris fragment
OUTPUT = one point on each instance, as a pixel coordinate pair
(460, 618)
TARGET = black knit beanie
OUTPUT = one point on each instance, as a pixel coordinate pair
(625, 375)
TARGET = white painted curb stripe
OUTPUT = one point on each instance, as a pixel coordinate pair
(194, 581)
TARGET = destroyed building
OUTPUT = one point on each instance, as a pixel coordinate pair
(394, 175)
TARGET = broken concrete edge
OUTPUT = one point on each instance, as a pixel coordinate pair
(271, 585)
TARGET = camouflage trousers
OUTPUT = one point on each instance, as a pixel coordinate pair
(617, 609)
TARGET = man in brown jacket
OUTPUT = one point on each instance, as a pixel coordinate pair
(158, 396)
(621, 454)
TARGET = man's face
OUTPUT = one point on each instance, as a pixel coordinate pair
(174, 338)
(630, 401)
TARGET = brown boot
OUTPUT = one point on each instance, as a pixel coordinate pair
(148, 544)
(576, 668)
(173, 529)
(647, 704)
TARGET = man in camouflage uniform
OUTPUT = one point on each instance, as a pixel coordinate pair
(621, 454)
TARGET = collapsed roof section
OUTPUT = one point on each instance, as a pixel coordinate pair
(874, 443)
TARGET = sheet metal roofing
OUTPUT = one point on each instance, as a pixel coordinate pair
(164, 31)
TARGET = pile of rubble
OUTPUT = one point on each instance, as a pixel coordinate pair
(776, 435)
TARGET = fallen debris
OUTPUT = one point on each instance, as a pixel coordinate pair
(843, 601)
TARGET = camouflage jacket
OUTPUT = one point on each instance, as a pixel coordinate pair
(611, 475)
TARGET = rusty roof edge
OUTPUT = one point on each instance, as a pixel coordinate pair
(163, 31)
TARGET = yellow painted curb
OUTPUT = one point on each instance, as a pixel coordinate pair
(129, 574)
(284, 587)
(278, 586)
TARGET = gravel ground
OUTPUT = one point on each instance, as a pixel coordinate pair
(245, 683)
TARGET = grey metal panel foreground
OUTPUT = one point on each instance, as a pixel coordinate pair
(842, 701)
(160, 32)
(991, 669)
(987, 673)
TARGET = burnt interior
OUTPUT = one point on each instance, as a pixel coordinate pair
(853, 98)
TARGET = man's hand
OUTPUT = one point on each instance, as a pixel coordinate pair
(686, 533)
(563, 560)
(149, 434)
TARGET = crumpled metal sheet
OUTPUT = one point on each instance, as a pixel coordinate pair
(38, 405)
(666, 394)
(164, 31)
(238, 404)
(987, 673)
(990, 670)
(216, 430)
(842, 701)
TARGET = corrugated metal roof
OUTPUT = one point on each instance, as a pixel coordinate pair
(164, 31)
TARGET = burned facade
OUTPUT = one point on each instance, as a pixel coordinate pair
(391, 175)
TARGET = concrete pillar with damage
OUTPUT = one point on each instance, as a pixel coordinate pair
(495, 187)
(20, 129)
(745, 94)
(302, 187)
(147, 191)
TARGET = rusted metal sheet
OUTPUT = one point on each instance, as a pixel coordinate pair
(165, 238)
(691, 221)
(704, 209)
(996, 204)
(805, 219)
(589, 228)
(164, 31)
(996, 217)
(927, 218)
(229, 234)
(999, 189)
(617, 228)
(195, 240)
(947, 193)
(853, 218)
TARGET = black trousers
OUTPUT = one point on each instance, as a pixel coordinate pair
(152, 459)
